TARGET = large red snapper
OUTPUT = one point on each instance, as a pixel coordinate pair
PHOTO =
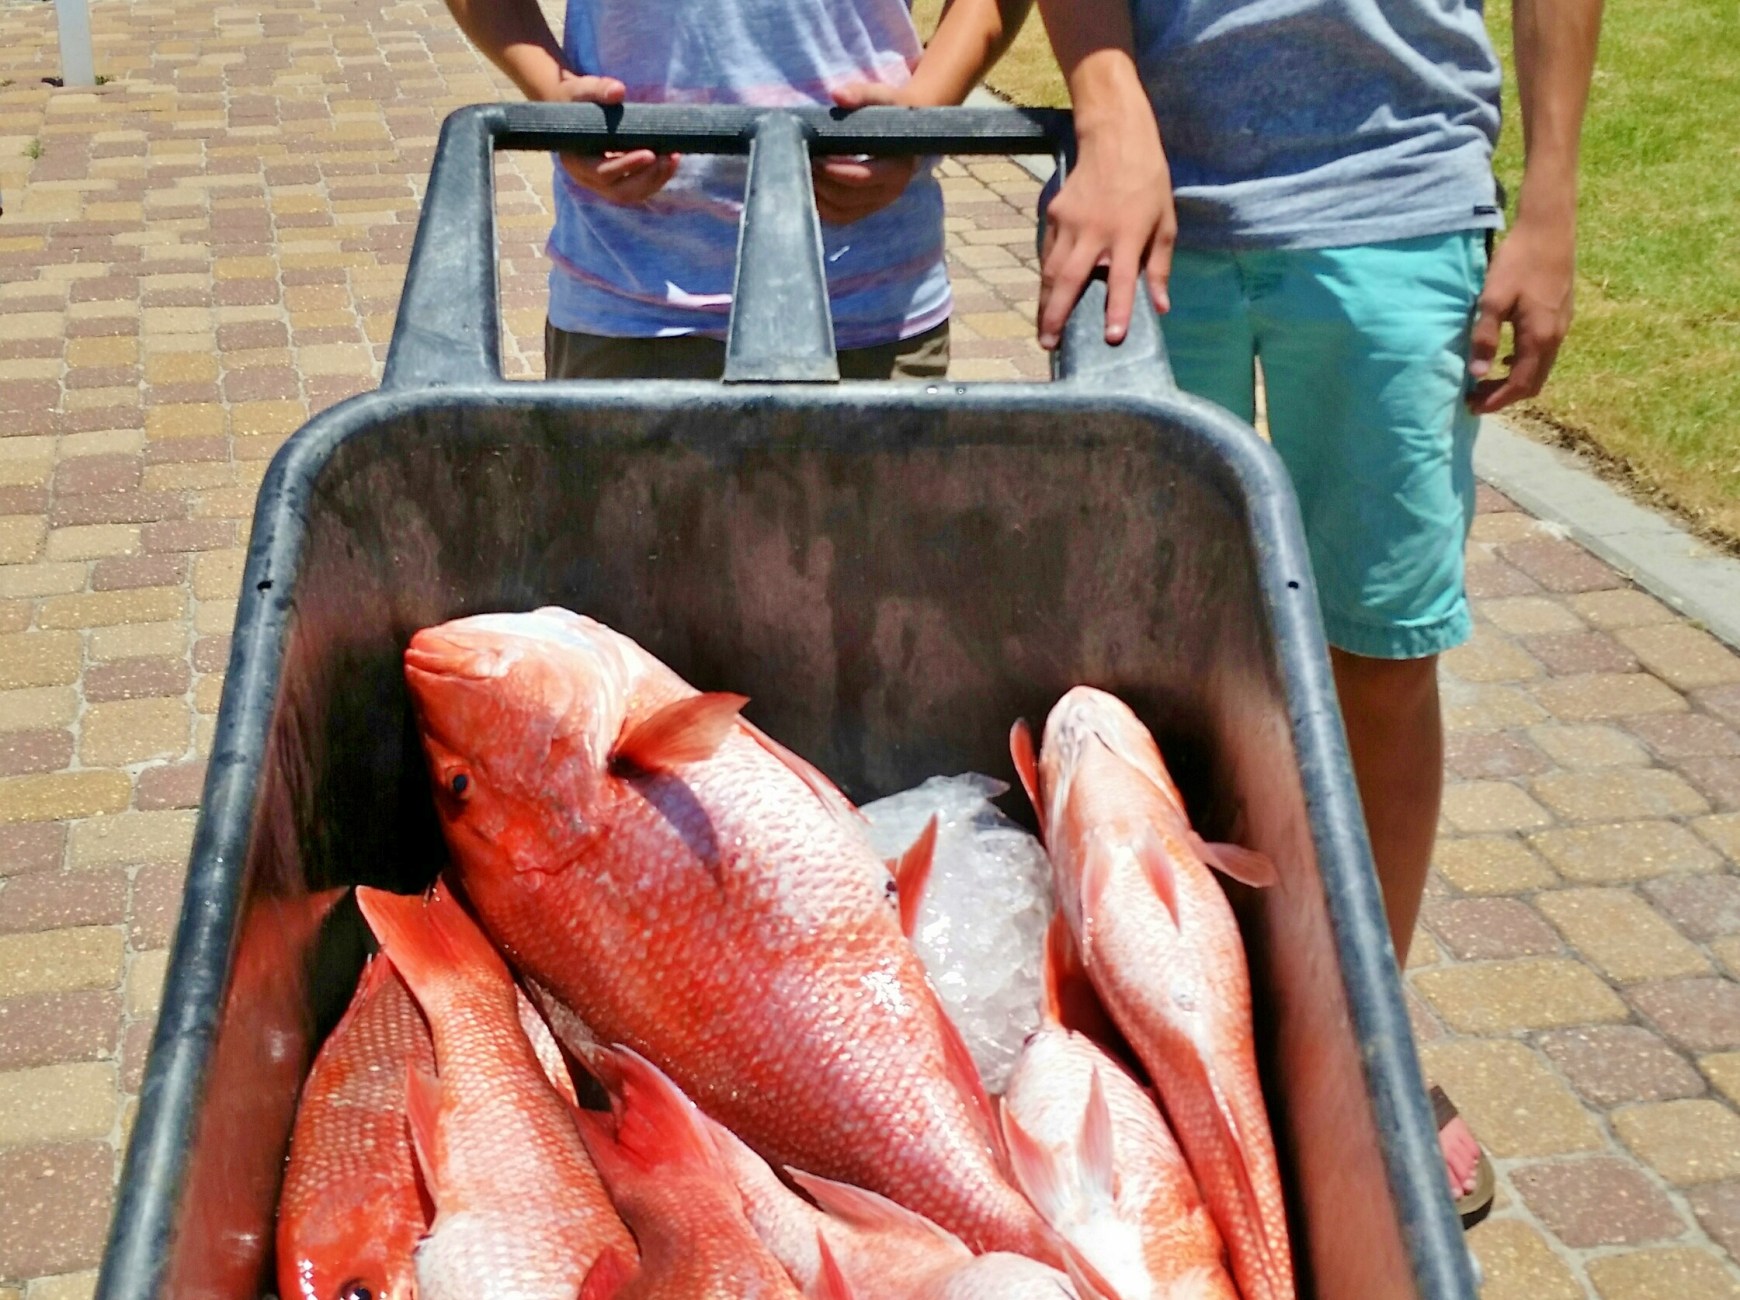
(1162, 948)
(696, 892)
(350, 1214)
(520, 1213)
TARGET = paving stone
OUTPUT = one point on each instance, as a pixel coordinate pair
(1619, 932)
(1519, 1265)
(59, 960)
(1491, 864)
(1596, 697)
(1702, 906)
(1686, 1142)
(1682, 655)
(1723, 1071)
(139, 678)
(1700, 1014)
(1589, 745)
(58, 900)
(30, 847)
(1686, 735)
(132, 838)
(55, 1213)
(1718, 1211)
(39, 659)
(1478, 929)
(100, 608)
(1474, 806)
(49, 750)
(1717, 778)
(1487, 707)
(1727, 951)
(1567, 653)
(57, 1103)
(68, 1286)
(1492, 755)
(1490, 657)
(1722, 830)
(53, 796)
(1674, 1274)
(48, 1028)
(1723, 701)
(130, 731)
(145, 982)
(1488, 579)
(1527, 993)
(1510, 1098)
(156, 903)
(1530, 615)
(1613, 1064)
(1597, 1202)
(1608, 793)
(1620, 607)
(1559, 565)
(1623, 852)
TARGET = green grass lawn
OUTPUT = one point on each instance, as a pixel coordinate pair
(1649, 381)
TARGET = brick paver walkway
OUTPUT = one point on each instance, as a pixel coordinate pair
(199, 253)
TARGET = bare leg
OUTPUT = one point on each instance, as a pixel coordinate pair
(1395, 731)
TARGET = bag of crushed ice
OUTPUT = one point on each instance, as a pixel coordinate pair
(981, 923)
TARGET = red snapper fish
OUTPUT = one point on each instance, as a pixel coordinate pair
(679, 1197)
(1162, 948)
(1094, 1156)
(694, 891)
(351, 1214)
(520, 1213)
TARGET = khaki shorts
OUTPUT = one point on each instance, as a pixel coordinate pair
(593, 356)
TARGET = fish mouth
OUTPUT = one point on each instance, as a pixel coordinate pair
(438, 652)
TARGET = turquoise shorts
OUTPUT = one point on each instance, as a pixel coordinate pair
(1364, 354)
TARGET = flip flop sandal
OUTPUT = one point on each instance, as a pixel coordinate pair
(1477, 1204)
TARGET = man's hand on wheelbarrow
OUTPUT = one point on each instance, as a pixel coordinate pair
(631, 177)
(850, 189)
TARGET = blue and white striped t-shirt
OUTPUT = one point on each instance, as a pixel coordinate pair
(665, 267)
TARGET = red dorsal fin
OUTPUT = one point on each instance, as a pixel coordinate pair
(959, 1065)
(423, 1115)
(432, 942)
(830, 1282)
(609, 1273)
(1038, 1170)
(839, 807)
(911, 873)
(1162, 872)
(544, 1045)
(657, 1127)
(859, 1208)
(685, 731)
(1099, 1176)
(1246, 866)
(1027, 767)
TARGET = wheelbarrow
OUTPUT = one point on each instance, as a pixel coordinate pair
(892, 572)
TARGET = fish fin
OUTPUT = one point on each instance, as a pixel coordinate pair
(959, 1065)
(1162, 873)
(829, 794)
(431, 941)
(912, 873)
(830, 1283)
(657, 1126)
(1095, 1158)
(1246, 866)
(860, 1208)
(684, 731)
(546, 1048)
(609, 1273)
(1027, 767)
(1089, 1282)
(423, 1115)
(1038, 1170)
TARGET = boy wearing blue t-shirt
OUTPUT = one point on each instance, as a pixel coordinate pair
(1307, 185)
(644, 246)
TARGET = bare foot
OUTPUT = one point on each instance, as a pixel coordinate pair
(1461, 1156)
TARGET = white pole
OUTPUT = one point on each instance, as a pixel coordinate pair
(73, 17)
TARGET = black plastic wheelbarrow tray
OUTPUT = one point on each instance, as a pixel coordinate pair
(892, 573)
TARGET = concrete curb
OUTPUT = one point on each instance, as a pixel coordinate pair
(1653, 551)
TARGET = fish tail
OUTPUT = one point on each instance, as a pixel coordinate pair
(432, 942)
(657, 1127)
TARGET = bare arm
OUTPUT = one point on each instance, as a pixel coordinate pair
(1115, 207)
(1531, 280)
(972, 35)
(513, 35)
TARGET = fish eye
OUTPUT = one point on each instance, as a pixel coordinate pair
(460, 784)
(355, 1289)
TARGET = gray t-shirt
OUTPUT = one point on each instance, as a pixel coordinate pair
(1321, 123)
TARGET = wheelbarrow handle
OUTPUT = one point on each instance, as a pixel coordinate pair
(448, 330)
